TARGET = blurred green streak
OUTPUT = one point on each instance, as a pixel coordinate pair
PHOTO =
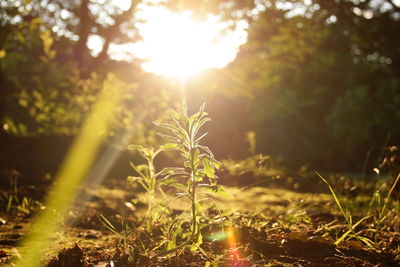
(73, 170)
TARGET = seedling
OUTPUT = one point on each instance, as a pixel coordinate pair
(123, 234)
(147, 179)
(198, 170)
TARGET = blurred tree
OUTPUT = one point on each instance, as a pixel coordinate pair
(73, 23)
(314, 76)
(321, 77)
(49, 78)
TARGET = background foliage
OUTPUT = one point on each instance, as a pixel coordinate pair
(318, 81)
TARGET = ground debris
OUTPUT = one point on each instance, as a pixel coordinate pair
(69, 257)
(299, 234)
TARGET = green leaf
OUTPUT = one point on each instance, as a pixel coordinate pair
(202, 136)
(169, 146)
(108, 225)
(199, 207)
(169, 138)
(199, 177)
(142, 167)
(171, 171)
(176, 117)
(351, 229)
(171, 244)
(217, 190)
(198, 125)
(176, 185)
(335, 197)
(199, 241)
(366, 241)
(186, 164)
(135, 147)
(133, 179)
(139, 180)
(199, 114)
(206, 150)
(216, 164)
(137, 170)
(208, 170)
(175, 130)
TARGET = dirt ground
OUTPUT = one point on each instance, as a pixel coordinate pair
(260, 226)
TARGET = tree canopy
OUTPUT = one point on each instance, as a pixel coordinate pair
(315, 78)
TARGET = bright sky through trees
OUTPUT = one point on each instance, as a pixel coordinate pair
(178, 45)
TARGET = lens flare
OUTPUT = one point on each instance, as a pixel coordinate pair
(235, 258)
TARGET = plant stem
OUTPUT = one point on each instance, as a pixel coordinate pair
(194, 221)
(149, 219)
(194, 215)
(151, 192)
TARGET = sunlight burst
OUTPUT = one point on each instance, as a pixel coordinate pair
(177, 45)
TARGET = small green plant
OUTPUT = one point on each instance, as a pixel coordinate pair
(124, 233)
(28, 205)
(147, 179)
(351, 232)
(7, 200)
(13, 201)
(198, 170)
(377, 211)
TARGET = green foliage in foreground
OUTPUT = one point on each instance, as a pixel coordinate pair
(199, 165)
(148, 180)
(196, 173)
(377, 213)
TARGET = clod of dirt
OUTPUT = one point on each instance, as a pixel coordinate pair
(69, 257)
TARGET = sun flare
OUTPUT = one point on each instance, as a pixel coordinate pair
(177, 45)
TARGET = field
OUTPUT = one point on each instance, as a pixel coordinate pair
(262, 225)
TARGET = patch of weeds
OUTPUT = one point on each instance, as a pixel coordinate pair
(253, 169)
(255, 165)
(368, 228)
(260, 169)
(124, 234)
(12, 201)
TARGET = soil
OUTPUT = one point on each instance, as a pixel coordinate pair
(263, 227)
